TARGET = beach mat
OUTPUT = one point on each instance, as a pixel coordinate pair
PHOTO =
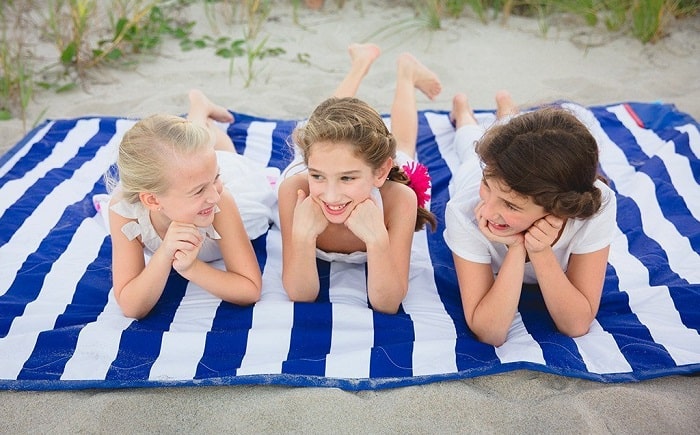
(60, 327)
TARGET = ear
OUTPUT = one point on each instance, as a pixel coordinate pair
(382, 172)
(150, 200)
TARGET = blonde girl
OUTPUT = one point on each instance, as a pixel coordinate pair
(171, 204)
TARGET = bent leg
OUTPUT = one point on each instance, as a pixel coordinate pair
(411, 75)
(203, 111)
(361, 58)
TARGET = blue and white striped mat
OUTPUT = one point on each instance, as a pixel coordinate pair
(60, 327)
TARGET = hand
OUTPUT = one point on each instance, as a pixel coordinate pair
(367, 221)
(182, 243)
(308, 215)
(509, 241)
(543, 233)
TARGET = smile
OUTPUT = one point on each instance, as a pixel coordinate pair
(498, 227)
(207, 211)
(335, 209)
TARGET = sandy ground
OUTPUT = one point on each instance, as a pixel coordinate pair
(468, 56)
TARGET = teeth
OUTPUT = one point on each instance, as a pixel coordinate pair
(336, 207)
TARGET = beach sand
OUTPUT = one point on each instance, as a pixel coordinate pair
(469, 56)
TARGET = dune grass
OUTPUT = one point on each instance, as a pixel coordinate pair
(93, 34)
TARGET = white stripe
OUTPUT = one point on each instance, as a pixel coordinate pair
(352, 339)
(21, 152)
(61, 153)
(444, 134)
(600, 352)
(34, 229)
(55, 295)
(519, 345)
(677, 166)
(269, 338)
(653, 306)
(693, 138)
(183, 344)
(434, 330)
(348, 284)
(637, 185)
(259, 141)
(98, 344)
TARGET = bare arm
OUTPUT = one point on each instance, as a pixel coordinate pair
(137, 285)
(572, 298)
(490, 303)
(299, 272)
(388, 240)
(241, 282)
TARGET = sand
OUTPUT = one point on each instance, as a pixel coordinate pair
(470, 57)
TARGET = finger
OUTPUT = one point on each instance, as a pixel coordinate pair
(301, 196)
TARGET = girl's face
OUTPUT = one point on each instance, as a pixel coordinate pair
(507, 211)
(339, 180)
(194, 189)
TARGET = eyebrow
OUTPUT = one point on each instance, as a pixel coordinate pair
(200, 186)
(351, 172)
(510, 203)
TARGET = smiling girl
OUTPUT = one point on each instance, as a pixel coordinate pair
(171, 204)
(352, 202)
(528, 206)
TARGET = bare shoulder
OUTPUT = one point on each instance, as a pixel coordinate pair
(290, 185)
(398, 199)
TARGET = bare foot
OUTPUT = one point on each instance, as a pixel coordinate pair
(200, 105)
(423, 79)
(362, 55)
(462, 113)
(504, 105)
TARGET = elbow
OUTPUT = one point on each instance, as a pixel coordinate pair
(487, 333)
(296, 295)
(389, 309)
(577, 329)
(494, 339)
(134, 312)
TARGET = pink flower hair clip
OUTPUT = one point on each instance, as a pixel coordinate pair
(419, 181)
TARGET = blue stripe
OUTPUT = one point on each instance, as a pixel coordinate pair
(310, 340)
(632, 337)
(226, 342)
(558, 350)
(55, 347)
(392, 353)
(30, 278)
(39, 151)
(141, 341)
(14, 216)
(324, 278)
(681, 142)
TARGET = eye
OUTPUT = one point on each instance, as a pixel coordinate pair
(511, 207)
(316, 177)
(347, 178)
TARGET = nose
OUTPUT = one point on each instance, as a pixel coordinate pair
(331, 193)
(213, 194)
(489, 210)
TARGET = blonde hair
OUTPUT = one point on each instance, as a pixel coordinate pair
(351, 120)
(147, 148)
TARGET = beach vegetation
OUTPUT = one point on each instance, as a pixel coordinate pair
(646, 20)
(89, 35)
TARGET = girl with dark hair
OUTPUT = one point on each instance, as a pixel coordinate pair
(528, 206)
